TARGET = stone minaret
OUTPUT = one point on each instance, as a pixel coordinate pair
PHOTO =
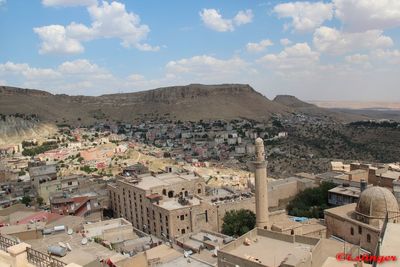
(261, 186)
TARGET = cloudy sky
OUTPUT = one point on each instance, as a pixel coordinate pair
(332, 50)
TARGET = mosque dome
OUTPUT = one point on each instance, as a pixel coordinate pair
(376, 201)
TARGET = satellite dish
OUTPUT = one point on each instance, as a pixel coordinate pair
(69, 247)
(84, 241)
(70, 231)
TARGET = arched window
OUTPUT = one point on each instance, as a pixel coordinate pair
(368, 238)
(186, 193)
(352, 231)
(170, 194)
(164, 192)
(292, 232)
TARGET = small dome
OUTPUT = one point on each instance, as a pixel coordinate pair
(376, 201)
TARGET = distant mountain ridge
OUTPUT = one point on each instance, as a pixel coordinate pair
(191, 102)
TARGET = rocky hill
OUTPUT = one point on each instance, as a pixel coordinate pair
(15, 129)
(301, 107)
(292, 101)
(191, 102)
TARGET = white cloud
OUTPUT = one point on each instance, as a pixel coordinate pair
(243, 17)
(213, 20)
(147, 47)
(205, 64)
(79, 66)
(55, 40)
(357, 59)
(362, 15)
(258, 47)
(73, 77)
(27, 72)
(296, 58)
(387, 56)
(332, 41)
(3, 3)
(209, 69)
(295, 70)
(135, 77)
(285, 41)
(305, 16)
(109, 20)
(68, 3)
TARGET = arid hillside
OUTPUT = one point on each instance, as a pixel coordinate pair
(191, 102)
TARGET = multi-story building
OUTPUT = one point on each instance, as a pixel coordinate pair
(165, 205)
(40, 172)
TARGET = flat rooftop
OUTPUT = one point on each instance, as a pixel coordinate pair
(348, 191)
(182, 261)
(346, 212)
(80, 254)
(172, 204)
(281, 248)
(148, 181)
(333, 262)
(391, 243)
(391, 175)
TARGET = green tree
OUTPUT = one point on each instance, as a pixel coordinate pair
(26, 200)
(311, 202)
(238, 222)
(39, 201)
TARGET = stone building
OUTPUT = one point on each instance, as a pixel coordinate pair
(343, 194)
(164, 205)
(361, 223)
(261, 247)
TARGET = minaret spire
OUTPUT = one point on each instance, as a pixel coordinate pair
(261, 185)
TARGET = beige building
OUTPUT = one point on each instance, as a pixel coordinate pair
(361, 223)
(113, 231)
(170, 205)
(261, 247)
(165, 205)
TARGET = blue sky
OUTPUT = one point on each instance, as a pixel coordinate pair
(331, 50)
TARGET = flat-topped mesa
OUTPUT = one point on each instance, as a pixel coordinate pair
(261, 185)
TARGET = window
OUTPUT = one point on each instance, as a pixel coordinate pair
(199, 191)
(164, 192)
(182, 217)
(359, 230)
(352, 231)
(183, 231)
(368, 238)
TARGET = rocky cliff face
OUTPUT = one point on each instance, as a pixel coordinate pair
(291, 101)
(192, 102)
(16, 129)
